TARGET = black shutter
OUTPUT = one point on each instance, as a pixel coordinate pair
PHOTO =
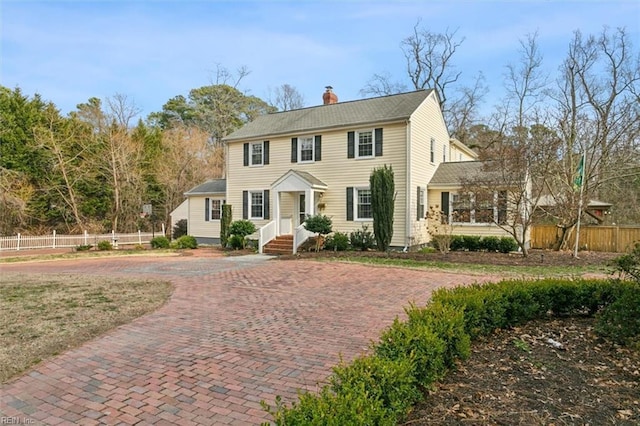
(206, 209)
(350, 203)
(265, 204)
(245, 204)
(351, 144)
(246, 154)
(294, 150)
(419, 210)
(444, 200)
(378, 142)
(265, 152)
(318, 148)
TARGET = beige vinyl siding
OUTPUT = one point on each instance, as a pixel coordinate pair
(335, 170)
(459, 155)
(426, 123)
(197, 226)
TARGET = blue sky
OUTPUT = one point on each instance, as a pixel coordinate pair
(151, 51)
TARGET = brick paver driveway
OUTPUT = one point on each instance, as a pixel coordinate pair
(237, 330)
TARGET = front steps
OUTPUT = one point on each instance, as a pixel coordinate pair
(282, 244)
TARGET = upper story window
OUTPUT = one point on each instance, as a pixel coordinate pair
(444, 153)
(432, 150)
(365, 144)
(256, 153)
(305, 145)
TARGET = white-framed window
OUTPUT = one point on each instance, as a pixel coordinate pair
(256, 151)
(212, 209)
(480, 208)
(444, 153)
(363, 204)
(420, 201)
(461, 210)
(256, 204)
(432, 150)
(364, 144)
(305, 149)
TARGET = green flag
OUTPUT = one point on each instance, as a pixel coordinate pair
(577, 182)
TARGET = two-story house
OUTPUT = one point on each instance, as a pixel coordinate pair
(284, 166)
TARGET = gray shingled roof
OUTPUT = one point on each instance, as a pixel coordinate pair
(311, 179)
(385, 108)
(214, 186)
(452, 174)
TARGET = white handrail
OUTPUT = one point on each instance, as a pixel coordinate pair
(266, 234)
(300, 235)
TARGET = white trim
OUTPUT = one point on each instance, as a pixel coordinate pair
(211, 200)
(313, 149)
(357, 144)
(250, 204)
(356, 200)
(251, 145)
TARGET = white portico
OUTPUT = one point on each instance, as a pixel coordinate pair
(296, 195)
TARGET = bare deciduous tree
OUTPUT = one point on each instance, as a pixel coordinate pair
(286, 98)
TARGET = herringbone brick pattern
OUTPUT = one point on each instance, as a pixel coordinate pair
(235, 332)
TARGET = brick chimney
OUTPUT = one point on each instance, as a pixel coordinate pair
(329, 97)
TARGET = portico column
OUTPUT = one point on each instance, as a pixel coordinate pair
(276, 212)
(310, 202)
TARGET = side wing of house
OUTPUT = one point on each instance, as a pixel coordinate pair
(204, 204)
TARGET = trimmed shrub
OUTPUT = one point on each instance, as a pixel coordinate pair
(84, 247)
(471, 242)
(383, 194)
(321, 225)
(105, 245)
(507, 245)
(242, 228)
(179, 229)
(490, 244)
(362, 239)
(161, 242)
(620, 321)
(236, 242)
(225, 224)
(339, 241)
(457, 243)
(185, 242)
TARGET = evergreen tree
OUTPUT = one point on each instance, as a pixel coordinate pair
(382, 187)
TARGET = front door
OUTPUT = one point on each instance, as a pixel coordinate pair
(302, 212)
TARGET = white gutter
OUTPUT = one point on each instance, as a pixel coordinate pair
(407, 225)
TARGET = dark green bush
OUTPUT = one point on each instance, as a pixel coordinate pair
(490, 244)
(179, 229)
(388, 382)
(339, 241)
(362, 239)
(620, 321)
(105, 245)
(225, 224)
(320, 224)
(419, 344)
(457, 243)
(185, 242)
(236, 242)
(471, 242)
(84, 247)
(507, 245)
(628, 265)
(241, 228)
(160, 242)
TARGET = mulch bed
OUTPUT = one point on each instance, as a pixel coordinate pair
(517, 377)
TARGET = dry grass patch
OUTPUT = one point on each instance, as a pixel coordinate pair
(44, 315)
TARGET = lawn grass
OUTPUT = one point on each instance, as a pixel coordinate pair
(529, 271)
(44, 315)
(84, 254)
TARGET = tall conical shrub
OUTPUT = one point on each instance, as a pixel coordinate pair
(383, 194)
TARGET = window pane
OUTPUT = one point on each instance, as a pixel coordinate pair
(215, 209)
(461, 208)
(365, 144)
(306, 149)
(364, 204)
(256, 153)
(484, 208)
(256, 204)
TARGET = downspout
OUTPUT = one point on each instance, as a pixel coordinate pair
(407, 197)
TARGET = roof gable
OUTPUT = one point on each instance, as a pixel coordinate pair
(341, 114)
(453, 174)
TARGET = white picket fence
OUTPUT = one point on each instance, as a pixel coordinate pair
(54, 240)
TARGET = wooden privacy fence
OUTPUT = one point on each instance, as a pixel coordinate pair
(618, 239)
(53, 240)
